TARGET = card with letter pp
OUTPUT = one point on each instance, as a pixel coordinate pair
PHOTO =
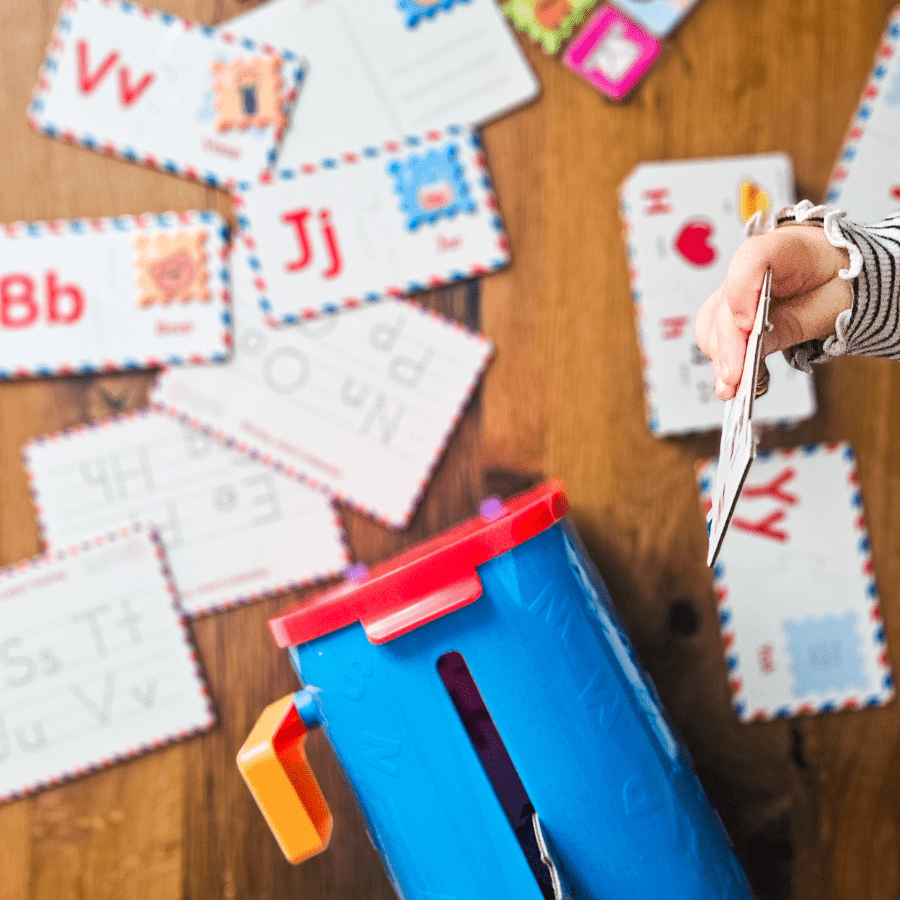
(795, 586)
(234, 530)
(91, 295)
(865, 182)
(381, 221)
(97, 663)
(548, 22)
(176, 95)
(383, 69)
(360, 403)
(682, 222)
(738, 444)
(659, 17)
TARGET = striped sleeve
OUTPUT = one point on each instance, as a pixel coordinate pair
(871, 326)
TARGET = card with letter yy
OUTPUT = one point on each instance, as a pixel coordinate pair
(865, 182)
(795, 586)
(361, 403)
(738, 444)
(683, 222)
(234, 530)
(97, 665)
(380, 221)
(383, 69)
(91, 295)
(176, 95)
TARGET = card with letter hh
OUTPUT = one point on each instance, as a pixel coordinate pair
(738, 443)
(381, 69)
(87, 295)
(234, 530)
(795, 587)
(683, 222)
(865, 182)
(152, 88)
(360, 403)
(96, 663)
(380, 221)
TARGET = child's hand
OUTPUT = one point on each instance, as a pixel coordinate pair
(807, 295)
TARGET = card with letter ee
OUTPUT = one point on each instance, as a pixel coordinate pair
(381, 221)
(683, 222)
(97, 663)
(795, 587)
(90, 295)
(176, 95)
(234, 530)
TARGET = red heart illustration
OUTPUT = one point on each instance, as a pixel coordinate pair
(693, 242)
(173, 273)
(895, 191)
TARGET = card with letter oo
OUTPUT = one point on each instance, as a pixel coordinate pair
(234, 530)
(382, 221)
(97, 664)
(175, 95)
(91, 295)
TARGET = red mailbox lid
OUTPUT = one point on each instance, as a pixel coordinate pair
(427, 581)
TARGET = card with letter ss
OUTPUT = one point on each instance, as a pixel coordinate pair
(90, 295)
(176, 95)
(683, 222)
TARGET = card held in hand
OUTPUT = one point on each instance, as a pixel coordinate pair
(738, 445)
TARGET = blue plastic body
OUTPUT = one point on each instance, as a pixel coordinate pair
(613, 787)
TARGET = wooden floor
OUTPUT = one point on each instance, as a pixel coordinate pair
(813, 805)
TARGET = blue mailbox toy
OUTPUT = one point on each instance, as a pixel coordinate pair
(494, 723)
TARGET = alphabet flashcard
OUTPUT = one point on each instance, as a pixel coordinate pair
(234, 530)
(90, 295)
(548, 22)
(795, 588)
(382, 221)
(659, 17)
(96, 664)
(156, 89)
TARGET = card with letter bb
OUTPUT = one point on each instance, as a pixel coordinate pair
(176, 95)
(90, 295)
(380, 221)
(683, 222)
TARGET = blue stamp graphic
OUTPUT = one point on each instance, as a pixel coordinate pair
(416, 10)
(826, 654)
(431, 185)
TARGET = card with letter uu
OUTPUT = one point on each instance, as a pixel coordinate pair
(381, 221)
(91, 295)
(795, 587)
(176, 95)
(97, 664)
(234, 530)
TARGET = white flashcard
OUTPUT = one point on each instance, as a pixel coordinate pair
(234, 530)
(91, 295)
(176, 95)
(738, 444)
(382, 69)
(380, 221)
(97, 664)
(659, 17)
(361, 403)
(865, 182)
(795, 586)
(683, 222)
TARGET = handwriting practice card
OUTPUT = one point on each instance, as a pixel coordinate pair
(234, 530)
(361, 403)
(865, 182)
(156, 89)
(95, 295)
(659, 17)
(548, 22)
(97, 665)
(738, 444)
(381, 221)
(795, 584)
(683, 221)
(383, 69)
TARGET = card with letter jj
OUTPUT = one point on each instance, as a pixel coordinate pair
(90, 295)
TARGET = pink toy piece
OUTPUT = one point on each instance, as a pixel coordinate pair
(612, 53)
